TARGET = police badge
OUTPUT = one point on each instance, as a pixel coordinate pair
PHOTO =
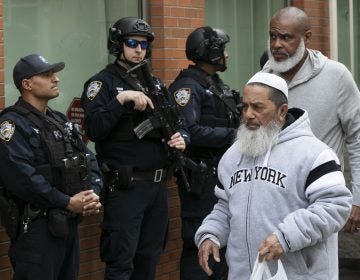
(182, 96)
(93, 89)
(7, 129)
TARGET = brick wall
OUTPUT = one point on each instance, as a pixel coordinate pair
(172, 21)
(318, 12)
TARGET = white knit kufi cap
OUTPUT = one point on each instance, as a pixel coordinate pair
(271, 80)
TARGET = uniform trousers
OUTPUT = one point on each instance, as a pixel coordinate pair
(38, 255)
(134, 230)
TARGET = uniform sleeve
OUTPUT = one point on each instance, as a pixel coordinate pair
(102, 109)
(328, 209)
(96, 182)
(348, 110)
(191, 99)
(21, 178)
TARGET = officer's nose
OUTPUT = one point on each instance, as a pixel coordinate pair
(55, 78)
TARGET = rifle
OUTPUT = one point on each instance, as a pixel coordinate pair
(166, 115)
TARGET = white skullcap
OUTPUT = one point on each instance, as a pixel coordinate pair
(271, 80)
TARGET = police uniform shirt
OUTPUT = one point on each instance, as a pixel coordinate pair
(23, 148)
(195, 101)
(105, 118)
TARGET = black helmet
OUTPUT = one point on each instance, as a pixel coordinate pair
(207, 44)
(128, 26)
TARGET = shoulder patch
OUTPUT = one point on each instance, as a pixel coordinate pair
(7, 129)
(93, 89)
(182, 96)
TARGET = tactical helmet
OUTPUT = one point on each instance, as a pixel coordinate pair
(207, 44)
(128, 26)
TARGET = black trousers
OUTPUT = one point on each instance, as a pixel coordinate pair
(133, 231)
(38, 255)
(189, 263)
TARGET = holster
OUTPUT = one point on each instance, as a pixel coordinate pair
(198, 178)
(117, 179)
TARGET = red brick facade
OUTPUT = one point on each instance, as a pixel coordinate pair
(172, 21)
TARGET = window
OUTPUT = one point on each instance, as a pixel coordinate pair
(246, 22)
(73, 31)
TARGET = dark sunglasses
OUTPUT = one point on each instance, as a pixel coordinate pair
(132, 43)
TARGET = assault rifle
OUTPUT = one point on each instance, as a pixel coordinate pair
(165, 115)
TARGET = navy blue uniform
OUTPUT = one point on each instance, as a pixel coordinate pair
(135, 204)
(211, 125)
(35, 253)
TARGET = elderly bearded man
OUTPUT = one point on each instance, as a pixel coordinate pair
(281, 192)
(321, 86)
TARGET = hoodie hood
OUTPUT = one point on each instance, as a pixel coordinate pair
(313, 64)
(297, 125)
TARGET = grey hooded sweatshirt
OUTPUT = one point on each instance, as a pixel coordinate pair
(295, 190)
(327, 91)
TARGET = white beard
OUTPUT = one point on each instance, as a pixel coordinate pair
(256, 142)
(290, 62)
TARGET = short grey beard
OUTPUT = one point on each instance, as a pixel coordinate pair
(290, 62)
(256, 142)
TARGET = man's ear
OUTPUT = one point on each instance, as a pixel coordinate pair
(26, 84)
(283, 109)
(307, 37)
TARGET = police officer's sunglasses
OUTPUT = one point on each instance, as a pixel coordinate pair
(132, 43)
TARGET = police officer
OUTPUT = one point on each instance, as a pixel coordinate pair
(210, 111)
(48, 177)
(135, 166)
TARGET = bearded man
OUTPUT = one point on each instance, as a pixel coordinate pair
(321, 86)
(281, 192)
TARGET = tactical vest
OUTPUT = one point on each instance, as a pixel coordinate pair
(227, 113)
(124, 129)
(68, 168)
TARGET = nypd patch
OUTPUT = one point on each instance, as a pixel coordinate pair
(7, 129)
(93, 89)
(182, 96)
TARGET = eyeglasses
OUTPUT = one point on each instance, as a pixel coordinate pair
(132, 43)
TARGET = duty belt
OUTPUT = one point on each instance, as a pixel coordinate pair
(152, 176)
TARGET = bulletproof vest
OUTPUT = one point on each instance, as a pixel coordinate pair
(68, 168)
(226, 112)
(124, 129)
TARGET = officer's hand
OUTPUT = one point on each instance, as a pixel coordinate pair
(177, 141)
(270, 249)
(77, 202)
(353, 223)
(140, 100)
(92, 205)
(206, 249)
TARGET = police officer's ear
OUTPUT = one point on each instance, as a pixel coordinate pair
(26, 84)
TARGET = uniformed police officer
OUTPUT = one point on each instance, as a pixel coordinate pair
(48, 177)
(116, 105)
(210, 111)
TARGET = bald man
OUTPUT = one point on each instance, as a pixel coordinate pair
(325, 88)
